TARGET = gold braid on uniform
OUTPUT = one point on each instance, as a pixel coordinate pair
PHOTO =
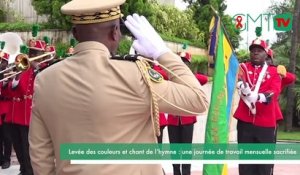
(171, 72)
(103, 16)
(143, 65)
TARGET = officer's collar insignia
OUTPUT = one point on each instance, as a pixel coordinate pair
(155, 76)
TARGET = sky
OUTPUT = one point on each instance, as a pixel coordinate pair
(253, 8)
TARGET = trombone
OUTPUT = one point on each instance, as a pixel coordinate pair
(22, 63)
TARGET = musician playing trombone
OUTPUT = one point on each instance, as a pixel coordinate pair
(22, 85)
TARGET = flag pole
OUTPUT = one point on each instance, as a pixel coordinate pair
(225, 32)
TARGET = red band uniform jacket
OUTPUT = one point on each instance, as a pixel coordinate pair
(22, 99)
(186, 120)
(265, 113)
(8, 94)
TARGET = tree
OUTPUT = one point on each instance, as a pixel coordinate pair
(242, 55)
(52, 9)
(203, 14)
(167, 20)
(286, 53)
(4, 9)
(136, 6)
(294, 47)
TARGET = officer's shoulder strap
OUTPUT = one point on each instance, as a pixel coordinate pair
(132, 58)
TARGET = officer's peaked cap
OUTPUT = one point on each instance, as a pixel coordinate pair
(92, 11)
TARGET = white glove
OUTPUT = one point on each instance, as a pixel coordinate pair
(254, 97)
(241, 85)
(148, 42)
(244, 88)
(15, 83)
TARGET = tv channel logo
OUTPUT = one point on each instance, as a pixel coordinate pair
(281, 22)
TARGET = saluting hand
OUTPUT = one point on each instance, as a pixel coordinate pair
(148, 43)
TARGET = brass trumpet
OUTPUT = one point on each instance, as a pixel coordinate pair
(22, 63)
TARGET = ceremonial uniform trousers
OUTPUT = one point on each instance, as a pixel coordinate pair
(5, 139)
(20, 118)
(258, 128)
(181, 129)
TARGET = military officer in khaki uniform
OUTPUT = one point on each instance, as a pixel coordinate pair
(91, 98)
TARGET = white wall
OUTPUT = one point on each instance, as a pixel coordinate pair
(24, 10)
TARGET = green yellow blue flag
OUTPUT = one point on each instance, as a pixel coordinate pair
(224, 79)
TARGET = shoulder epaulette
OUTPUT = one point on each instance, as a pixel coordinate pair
(132, 58)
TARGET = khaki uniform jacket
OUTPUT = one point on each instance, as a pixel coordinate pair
(90, 98)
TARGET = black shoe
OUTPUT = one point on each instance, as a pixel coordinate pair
(5, 165)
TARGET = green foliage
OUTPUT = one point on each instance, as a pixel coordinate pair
(179, 40)
(124, 46)
(282, 49)
(23, 26)
(168, 21)
(203, 14)
(282, 53)
(199, 59)
(52, 10)
(136, 6)
(243, 55)
(2, 16)
(61, 49)
(295, 135)
(199, 63)
(282, 7)
(16, 26)
(172, 22)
